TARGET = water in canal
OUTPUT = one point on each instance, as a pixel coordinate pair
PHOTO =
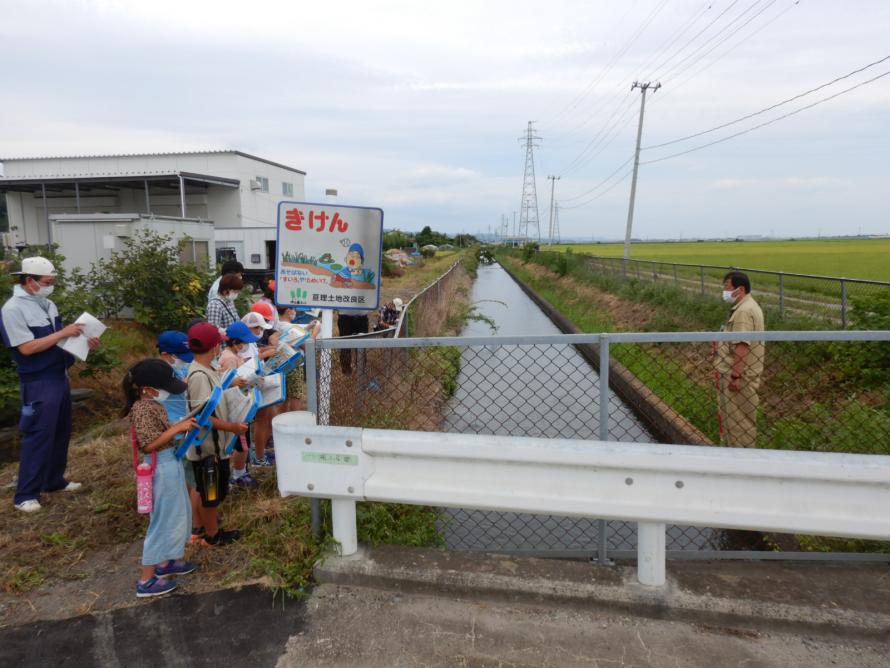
(546, 391)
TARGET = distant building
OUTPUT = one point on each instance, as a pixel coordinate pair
(225, 201)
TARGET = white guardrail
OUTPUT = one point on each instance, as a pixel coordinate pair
(651, 484)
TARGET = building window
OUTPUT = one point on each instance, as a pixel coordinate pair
(264, 183)
(194, 251)
(287, 189)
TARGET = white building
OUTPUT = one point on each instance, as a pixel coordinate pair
(89, 205)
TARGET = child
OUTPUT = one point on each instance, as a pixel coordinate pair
(239, 337)
(268, 338)
(295, 400)
(147, 384)
(204, 343)
(174, 350)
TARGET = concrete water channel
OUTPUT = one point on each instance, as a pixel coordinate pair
(540, 390)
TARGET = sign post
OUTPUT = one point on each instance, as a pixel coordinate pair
(329, 257)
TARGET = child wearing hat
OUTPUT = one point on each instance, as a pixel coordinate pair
(145, 386)
(204, 342)
(173, 348)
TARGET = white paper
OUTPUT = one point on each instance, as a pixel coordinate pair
(238, 404)
(248, 371)
(281, 356)
(273, 390)
(79, 346)
(293, 335)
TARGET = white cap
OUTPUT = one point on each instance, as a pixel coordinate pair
(36, 266)
(254, 319)
(397, 302)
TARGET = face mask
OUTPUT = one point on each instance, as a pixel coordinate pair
(214, 364)
(45, 291)
(727, 296)
(233, 296)
(163, 395)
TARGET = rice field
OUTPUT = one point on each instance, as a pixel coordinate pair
(847, 258)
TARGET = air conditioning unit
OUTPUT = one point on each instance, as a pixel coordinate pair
(255, 185)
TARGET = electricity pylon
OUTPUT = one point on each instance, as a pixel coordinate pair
(528, 217)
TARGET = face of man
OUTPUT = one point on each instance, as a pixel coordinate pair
(736, 293)
(33, 285)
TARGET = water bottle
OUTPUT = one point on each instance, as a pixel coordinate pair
(144, 475)
(211, 479)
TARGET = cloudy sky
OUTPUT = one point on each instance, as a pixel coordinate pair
(417, 106)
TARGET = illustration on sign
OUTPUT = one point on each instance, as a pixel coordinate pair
(329, 256)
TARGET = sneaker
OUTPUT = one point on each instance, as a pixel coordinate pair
(176, 567)
(222, 538)
(29, 506)
(197, 535)
(155, 587)
(266, 460)
(244, 482)
(72, 487)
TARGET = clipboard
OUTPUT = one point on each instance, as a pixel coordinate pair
(196, 437)
(251, 414)
(275, 390)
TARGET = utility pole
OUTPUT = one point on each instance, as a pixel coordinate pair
(553, 180)
(556, 222)
(528, 216)
(514, 229)
(633, 183)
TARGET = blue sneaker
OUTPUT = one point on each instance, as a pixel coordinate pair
(268, 459)
(244, 482)
(154, 587)
(176, 567)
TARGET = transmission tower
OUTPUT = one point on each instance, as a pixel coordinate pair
(528, 216)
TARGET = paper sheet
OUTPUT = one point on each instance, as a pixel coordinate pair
(238, 403)
(79, 346)
(273, 390)
(279, 359)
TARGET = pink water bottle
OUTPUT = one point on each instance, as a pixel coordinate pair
(144, 474)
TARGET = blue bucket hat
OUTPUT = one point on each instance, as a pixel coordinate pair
(241, 332)
(175, 343)
(357, 248)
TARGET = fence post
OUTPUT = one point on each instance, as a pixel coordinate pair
(676, 280)
(602, 527)
(701, 271)
(312, 405)
(781, 295)
(843, 304)
(651, 553)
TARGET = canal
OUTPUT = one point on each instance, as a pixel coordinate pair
(541, 390)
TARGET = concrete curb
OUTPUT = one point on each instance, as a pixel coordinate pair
(586, 585)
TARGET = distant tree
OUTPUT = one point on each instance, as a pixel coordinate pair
(395, 239)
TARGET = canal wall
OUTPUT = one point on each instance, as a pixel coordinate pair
(664, 422)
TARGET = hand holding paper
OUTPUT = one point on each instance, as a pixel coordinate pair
(79, 346)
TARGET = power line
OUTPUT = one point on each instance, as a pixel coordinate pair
(769, 108)
(598, 139)
(732, 48)
(667, 44)
(674, 68)
(601, 183)
(770, 122)
(627, 45)
(602, 194)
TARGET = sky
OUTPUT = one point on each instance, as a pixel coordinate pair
(418, 107)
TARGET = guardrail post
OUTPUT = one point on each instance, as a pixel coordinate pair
(651, 553)
(345, 532)
(843, 303)
(602, 527)
(781, 295)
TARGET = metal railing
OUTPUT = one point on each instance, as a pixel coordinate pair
(817, 391)
(829, 299)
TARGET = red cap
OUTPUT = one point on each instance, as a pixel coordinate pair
(271, 284)
(264, 310)
(202, 337)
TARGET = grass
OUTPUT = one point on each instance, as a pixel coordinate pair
(849, 258)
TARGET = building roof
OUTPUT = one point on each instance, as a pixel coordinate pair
(150, 155)
(34, 183)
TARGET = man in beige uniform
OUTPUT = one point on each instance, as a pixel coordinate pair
(740, 365)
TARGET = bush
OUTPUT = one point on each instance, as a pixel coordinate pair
(428, 252)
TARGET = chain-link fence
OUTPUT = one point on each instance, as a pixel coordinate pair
(820, 391)
(833, 302)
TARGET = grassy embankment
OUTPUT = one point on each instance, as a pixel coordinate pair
(814, 396)
(64, 541)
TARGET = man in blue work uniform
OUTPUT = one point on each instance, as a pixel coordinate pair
(31, 327)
